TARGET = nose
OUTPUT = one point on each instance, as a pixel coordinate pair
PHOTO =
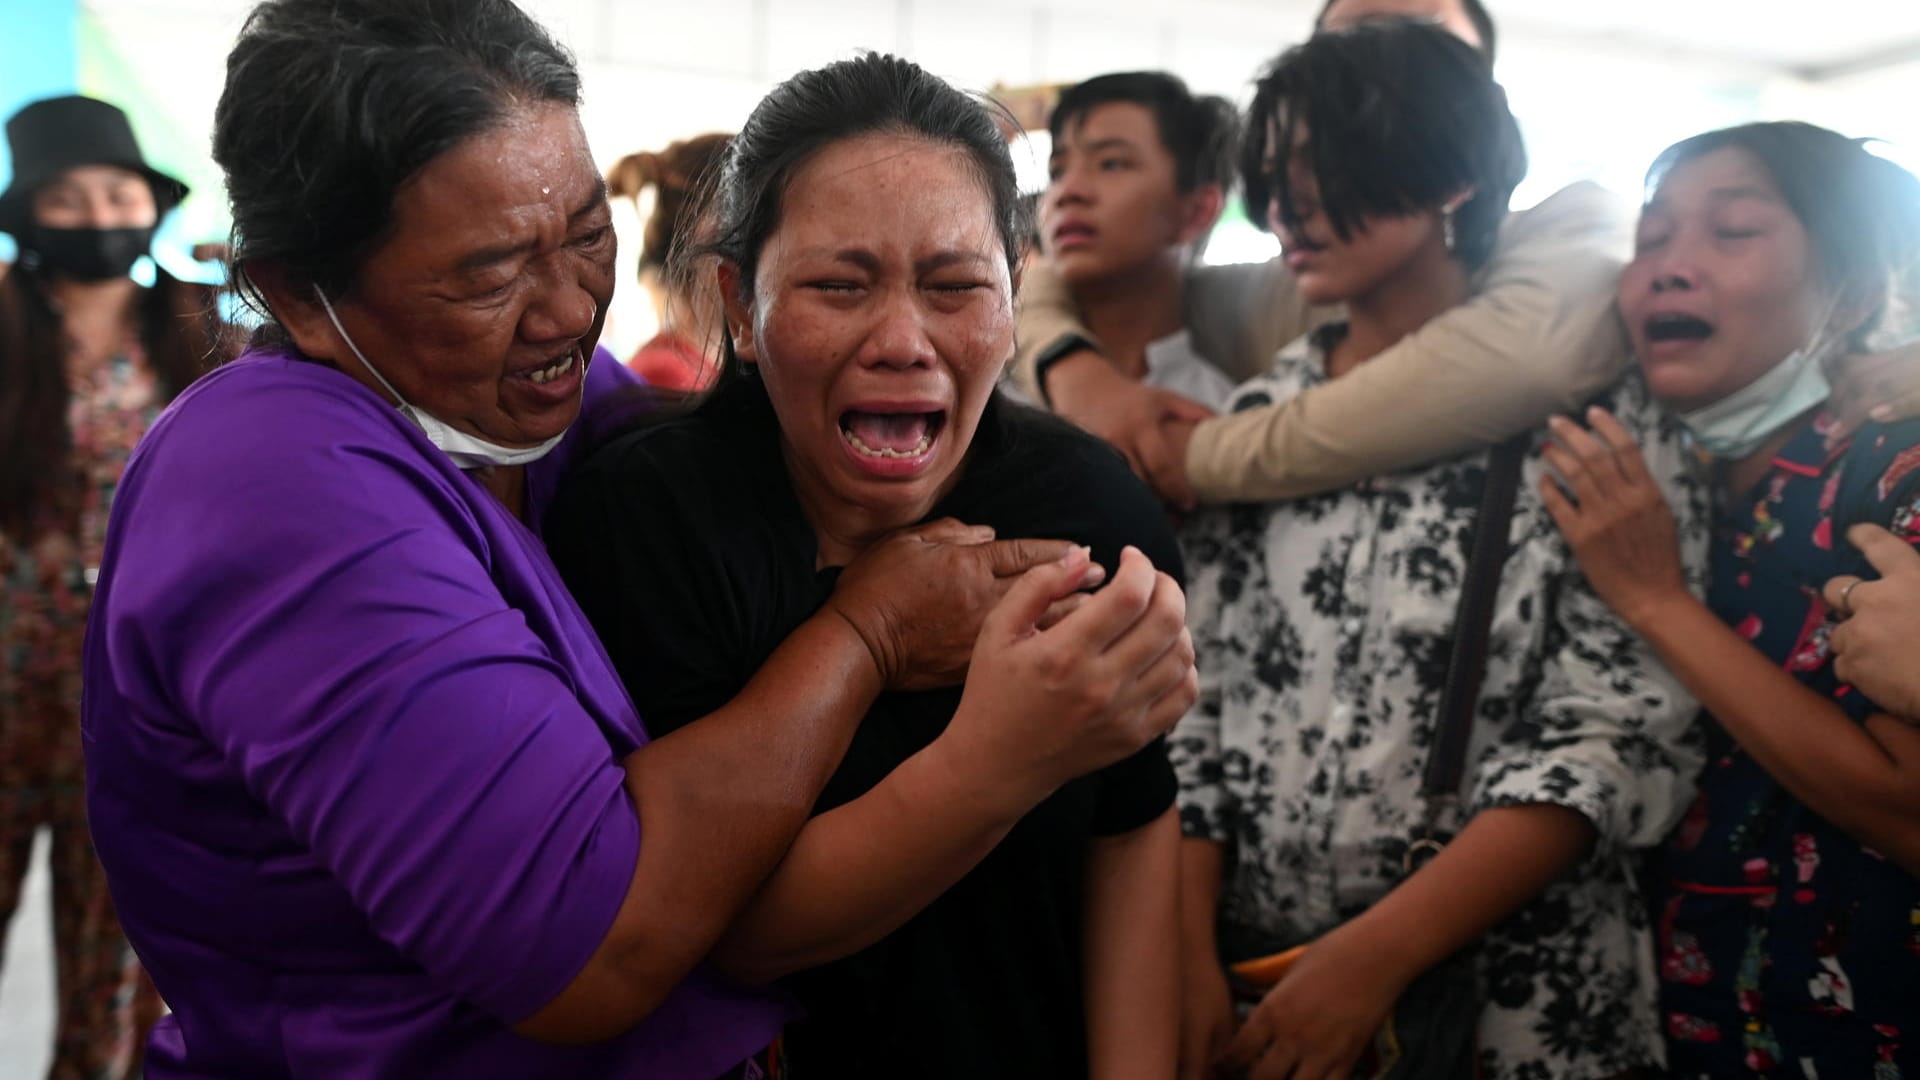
(562, 309)
(1071, 187)
(899, 336)
(1672, 267)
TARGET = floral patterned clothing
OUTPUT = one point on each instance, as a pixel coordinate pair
(1323, 627)
(1786, 947)
(106, 1003)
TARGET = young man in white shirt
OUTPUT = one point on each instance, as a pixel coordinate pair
(1538, 336)
(1137, 177)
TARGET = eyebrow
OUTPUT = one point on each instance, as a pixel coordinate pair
(1742, 191)
(1111, 142)
(489, 256)
(939, 260)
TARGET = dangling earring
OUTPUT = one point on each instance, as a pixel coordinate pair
(1446, 229)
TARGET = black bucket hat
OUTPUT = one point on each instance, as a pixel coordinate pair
(51, 136)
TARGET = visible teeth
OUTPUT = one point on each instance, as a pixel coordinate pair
(926, 440)
(552, 371)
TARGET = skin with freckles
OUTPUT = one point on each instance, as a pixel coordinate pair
(884, 286)
(498, 262)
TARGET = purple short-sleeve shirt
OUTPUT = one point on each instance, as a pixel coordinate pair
(353, 755)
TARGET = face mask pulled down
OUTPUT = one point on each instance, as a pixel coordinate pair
(466, 451)
(1741, 422)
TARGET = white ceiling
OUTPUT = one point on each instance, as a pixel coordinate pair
(1830, 37)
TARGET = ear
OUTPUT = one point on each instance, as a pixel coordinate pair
(1199, 210)
(739, 313)
(1459, 199)
(298, 311)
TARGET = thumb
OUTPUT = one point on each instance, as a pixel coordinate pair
(1019, 613)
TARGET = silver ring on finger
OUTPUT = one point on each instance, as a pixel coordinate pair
(1846, 595)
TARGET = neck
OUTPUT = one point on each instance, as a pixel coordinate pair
(508, 483)
(844, 529)
(1131, 311)
(92, 300)
(96, 317)
(1428, 284)
(1738, 477)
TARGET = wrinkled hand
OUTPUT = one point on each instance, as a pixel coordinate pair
(1617, 522)
(1875, 648)
(1207, 1020)
(1881, 387)
(1321, 1017)
(919, 597)
(1043, 706)
(1138, 420)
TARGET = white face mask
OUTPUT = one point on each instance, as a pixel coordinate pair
(1737, 424)
(467, 451)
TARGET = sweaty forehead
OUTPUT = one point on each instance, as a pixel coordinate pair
(509, 183)
(886, 190)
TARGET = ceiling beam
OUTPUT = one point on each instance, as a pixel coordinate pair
(1895, 55)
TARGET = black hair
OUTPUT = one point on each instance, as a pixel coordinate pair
(1861, 212)
(872, 94)
(183, 335)
(1399, 117)
(1200, 131)
(1476, 13)
(331, 105)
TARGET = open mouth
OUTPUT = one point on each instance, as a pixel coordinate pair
(896, 436)
(1672, 326)
(557, 368)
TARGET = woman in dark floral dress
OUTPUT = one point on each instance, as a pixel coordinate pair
(1323, 627)
(87, 359)
(1788, 907)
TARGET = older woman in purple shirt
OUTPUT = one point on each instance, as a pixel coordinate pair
(371, 798)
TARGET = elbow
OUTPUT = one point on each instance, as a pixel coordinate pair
(752, 967)
(601, 1003)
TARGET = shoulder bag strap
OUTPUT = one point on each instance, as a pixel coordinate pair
(1472, 625)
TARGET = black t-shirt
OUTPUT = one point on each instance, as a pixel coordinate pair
(687, 548)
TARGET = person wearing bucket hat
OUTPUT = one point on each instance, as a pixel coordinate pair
(69, 141)
(88, 357)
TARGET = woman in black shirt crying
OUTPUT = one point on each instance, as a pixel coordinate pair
(981, 892)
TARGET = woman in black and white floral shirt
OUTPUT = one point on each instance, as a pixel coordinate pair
(1384, 158)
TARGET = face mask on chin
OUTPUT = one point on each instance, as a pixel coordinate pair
(466, 451)
(1739, 423)
(88, 254)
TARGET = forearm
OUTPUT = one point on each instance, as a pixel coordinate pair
(721, 800)
(1501, 861)
(1863, 778)
(1046, 313)
(1132, 953)
(1202, 863)
(859, 871)
(1423, 400)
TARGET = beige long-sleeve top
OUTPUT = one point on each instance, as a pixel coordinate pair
(1539, 335)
